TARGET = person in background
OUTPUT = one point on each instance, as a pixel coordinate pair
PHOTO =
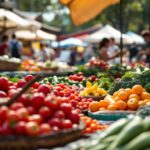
(49, 52)
(41, 54)
(88, 53)
(73, 56)
(113, 50)
(104, 50)
(4, 45)
(146, 36)
(15, 47)
(133, 52)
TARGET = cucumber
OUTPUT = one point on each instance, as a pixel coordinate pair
(131, 130)
(115, 128)
(146, 123)
(109, 139)
(140, 142)
(98, 147)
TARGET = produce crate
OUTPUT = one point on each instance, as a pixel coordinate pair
(110, 115)
(9, 66)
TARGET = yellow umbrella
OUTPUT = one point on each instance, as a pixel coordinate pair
(84, 10)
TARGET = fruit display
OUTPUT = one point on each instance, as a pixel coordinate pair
(37, 112)
(92, 125)
(70, 94)
(93, 90)
(33, 66)
(123, 99)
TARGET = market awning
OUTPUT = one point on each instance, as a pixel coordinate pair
(9, 19)
(34, 35)
(107, 32)
(85, 10)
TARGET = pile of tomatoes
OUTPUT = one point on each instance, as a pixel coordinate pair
(37, 112)
(92, 125)
(70, 94)
(76, 77)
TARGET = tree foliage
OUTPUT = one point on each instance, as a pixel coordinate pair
(136, 14)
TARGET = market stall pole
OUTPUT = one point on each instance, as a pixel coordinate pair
(121, 30)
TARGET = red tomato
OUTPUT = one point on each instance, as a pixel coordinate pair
(52, 102)
(31, 110)
(12, 92)
(3, 113)
(67, 124)
(28, 78)
(24, 99)
(44, 89)
(59, 114)
(6, 130)
(21, 83)
(74, 117)
(66, 108)
(35, 118)
(38, 100)
(22, 114)
(4, 84)
(16, 106)
(20, 128)
(36, 85)
(2, 94)
(55, 122)
(45, 128)
(12, 118)
(32, 129)
(45, 112)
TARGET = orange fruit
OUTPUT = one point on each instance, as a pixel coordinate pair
(115, 94)
(137, 89)
(133, 103)
(102, 108)
(104, 103)
(122, 95)
(121, 105)
(145, 95)
(112, 107)
(142, 103)
(116, 99)
(134, 96)
(94, 106)
(128, 91)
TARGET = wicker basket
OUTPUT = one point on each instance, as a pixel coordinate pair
(96, 98)
(9, 66)
(49, 141)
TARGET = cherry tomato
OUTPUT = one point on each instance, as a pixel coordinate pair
(66, 124)
(35, 118)
(45, 112)
(28, 78)
(20, 128)
(21, 83)
(45, 128)
(32, 128)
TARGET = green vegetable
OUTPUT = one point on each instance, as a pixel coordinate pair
(129, 132)
(140, 142)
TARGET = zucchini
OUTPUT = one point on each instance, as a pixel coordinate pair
(140, 142)
(115, 128)
(131, 130)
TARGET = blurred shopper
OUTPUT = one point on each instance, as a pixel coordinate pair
(104, 50)
(113, 50)
(146, 36)
(41, 53)
(73, 56)
(133, 52)
(88, 53)
(15, 47)
(50, 53)
(4, 45)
